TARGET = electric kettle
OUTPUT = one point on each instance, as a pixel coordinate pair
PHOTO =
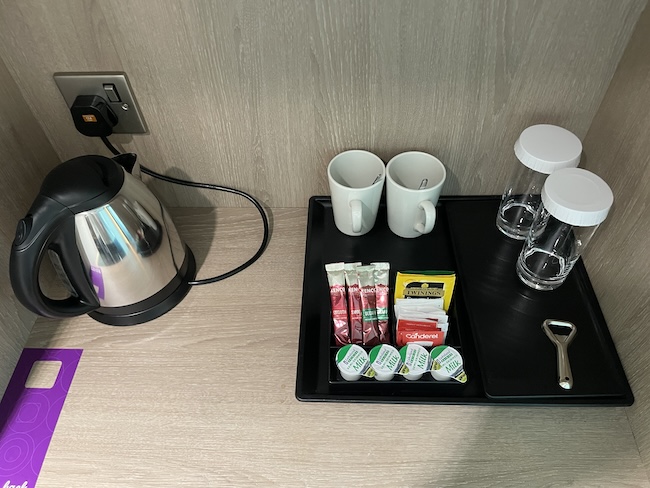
(111, 241)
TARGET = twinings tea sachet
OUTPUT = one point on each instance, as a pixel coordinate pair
(426, 284)
(421, 303)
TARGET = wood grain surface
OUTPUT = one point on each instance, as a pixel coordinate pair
(204, 396)
(261, 95)
(618, 149)
(25, 155)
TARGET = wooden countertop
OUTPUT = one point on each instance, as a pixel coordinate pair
(161, 404)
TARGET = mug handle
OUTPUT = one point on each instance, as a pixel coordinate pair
(429, 217)
(356, 209)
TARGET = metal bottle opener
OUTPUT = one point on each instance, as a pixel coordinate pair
(561, 341)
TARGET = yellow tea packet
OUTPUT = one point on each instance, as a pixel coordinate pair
(426, 284)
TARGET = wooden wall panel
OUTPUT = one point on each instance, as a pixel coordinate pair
(260, 95)
(618, 149)
(25, 155)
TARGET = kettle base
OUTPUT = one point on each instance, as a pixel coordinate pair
(156, 305)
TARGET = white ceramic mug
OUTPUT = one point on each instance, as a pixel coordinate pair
(413, 183)
(356, 180)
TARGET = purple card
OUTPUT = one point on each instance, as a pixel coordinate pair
(28, 416)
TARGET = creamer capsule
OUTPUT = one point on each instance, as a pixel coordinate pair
(447, 364)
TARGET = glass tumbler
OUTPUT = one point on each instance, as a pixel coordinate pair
(574, 203)
(541, 150)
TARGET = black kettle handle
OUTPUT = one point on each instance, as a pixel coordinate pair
(49, 225)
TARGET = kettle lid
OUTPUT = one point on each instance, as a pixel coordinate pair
(84, 183)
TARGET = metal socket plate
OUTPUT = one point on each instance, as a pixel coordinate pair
(130, 120)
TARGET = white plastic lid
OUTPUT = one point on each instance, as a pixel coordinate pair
(577, 196)
(547, 148)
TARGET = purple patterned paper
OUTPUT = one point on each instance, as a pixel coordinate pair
(28, 416)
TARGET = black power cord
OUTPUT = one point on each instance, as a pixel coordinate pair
(178, 181)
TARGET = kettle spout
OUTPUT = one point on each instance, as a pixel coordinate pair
(126, 160)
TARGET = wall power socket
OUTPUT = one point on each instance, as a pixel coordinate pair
(114, 87)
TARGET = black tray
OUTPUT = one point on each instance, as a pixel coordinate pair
(495, 320)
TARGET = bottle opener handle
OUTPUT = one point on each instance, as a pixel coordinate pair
(565, 377)
(561, 342)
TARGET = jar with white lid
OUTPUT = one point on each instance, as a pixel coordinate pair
(574, 203)
(541, 149)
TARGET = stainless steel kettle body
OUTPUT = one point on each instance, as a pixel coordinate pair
(111, 241)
